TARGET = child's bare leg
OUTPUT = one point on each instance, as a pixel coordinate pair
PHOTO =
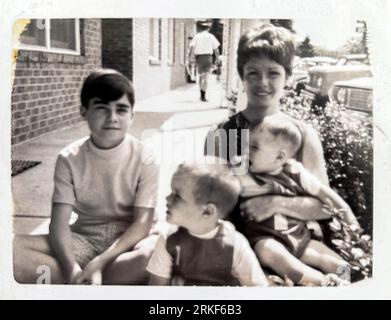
(318, 255)
(130, 267)
(274, 255)
(32, 258)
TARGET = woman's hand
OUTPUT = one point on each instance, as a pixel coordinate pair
(92, 273)
(259, 208)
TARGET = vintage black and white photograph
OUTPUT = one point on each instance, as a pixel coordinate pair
(210, 151)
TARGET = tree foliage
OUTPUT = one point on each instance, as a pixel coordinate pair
(285, 23)
(306, 49)
(359, 42)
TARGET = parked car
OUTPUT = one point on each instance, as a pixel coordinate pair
(355, 95)
(300, 70)
(322, 78)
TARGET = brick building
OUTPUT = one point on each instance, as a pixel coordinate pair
(45, 94)
(55, 55)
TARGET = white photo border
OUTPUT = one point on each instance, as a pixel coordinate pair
(377, 12)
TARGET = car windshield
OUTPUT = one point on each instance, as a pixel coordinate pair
(304, 65)
(352, 61)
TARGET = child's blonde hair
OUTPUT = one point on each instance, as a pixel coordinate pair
(213, 183)
(280, 128)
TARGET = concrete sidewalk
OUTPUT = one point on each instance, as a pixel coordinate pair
(178, 118)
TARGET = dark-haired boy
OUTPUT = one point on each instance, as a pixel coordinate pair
(111, 182)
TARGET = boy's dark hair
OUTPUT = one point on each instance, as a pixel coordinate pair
(275, 43)
(107, 85)
(281, 128)
(213, 183)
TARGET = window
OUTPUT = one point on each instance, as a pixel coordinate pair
(155, 41)
(51, 35)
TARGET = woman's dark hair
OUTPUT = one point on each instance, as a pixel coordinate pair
(275, 43)
(107, 85)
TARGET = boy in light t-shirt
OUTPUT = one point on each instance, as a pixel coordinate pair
(110, 181)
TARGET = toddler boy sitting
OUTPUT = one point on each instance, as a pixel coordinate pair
(205, 250)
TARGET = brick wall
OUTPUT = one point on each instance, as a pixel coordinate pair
(151, 79)
(46, 89)
(117, 45)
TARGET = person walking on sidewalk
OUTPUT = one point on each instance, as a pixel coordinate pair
(204, 45)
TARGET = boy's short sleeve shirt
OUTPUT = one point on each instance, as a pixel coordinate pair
(106, 184)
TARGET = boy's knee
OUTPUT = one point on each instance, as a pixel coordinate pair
(270, 251)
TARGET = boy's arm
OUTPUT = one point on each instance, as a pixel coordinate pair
(329, 196)
(313, 186)
(60, 240)
(137, 231)
(160, 265)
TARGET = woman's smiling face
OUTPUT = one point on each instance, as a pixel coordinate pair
(264, 80)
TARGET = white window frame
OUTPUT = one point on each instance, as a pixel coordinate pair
(171, 48)
(155, 34)
(47, 47)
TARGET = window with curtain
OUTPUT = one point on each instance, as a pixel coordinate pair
(62, 34)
